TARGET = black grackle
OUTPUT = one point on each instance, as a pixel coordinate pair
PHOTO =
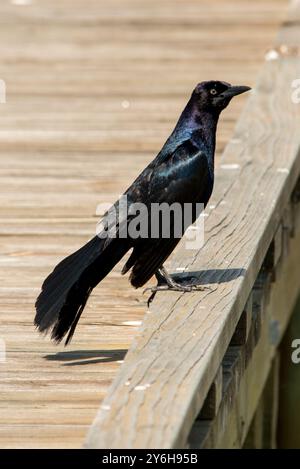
(182, 172)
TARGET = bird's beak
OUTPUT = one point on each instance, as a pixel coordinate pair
(235, 90)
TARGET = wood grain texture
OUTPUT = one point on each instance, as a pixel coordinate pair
(93, 90)
(168, 371)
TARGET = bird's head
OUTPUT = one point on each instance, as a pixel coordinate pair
(216, 95)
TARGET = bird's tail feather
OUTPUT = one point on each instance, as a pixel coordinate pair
(66, 290)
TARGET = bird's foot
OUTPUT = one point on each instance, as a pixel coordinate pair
(174, 287)
(177, 287)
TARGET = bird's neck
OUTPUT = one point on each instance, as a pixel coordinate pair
(195, 118)
(201, 125)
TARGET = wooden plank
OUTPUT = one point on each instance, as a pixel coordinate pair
(161, 374)
(91, 96)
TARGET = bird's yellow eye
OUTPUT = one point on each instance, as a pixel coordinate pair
(213, 91)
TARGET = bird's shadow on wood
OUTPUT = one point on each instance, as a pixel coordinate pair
(87, 357)
(203, 278)
(208, 276)
(200, 277)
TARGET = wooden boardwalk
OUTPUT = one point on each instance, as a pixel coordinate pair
(92, 93)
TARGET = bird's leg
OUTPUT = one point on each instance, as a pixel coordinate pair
(164, 274)
(166, 283)
(173, 285)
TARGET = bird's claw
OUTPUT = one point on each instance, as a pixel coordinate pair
(177, 287)
(180, 288)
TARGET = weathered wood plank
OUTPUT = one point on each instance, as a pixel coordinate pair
(91, 96)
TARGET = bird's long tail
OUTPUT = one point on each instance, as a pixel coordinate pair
(66, 290)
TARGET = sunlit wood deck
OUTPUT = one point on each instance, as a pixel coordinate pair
(93, 90)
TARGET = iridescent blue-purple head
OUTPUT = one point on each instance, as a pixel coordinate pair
(215, 95)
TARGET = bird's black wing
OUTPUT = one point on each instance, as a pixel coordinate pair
(163, 180)
(183, 177)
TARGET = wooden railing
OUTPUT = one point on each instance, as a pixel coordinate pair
(196, 371)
